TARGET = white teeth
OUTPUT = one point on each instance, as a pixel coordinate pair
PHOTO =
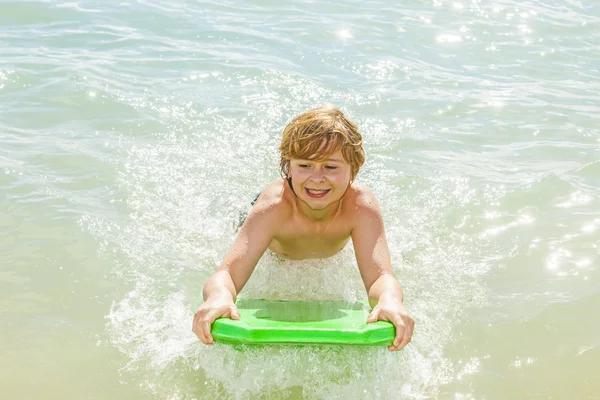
(316, 191)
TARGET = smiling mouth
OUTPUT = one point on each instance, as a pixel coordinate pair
(316, 194)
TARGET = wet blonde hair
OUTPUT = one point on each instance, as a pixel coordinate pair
(318, 133)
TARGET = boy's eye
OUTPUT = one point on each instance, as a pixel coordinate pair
(303, 165)
(331, 167)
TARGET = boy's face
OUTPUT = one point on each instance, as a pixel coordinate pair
(320, 183)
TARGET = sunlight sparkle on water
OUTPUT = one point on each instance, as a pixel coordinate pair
(344, 34)
(556, 258)
(448, 38)
(522, 219)
(3, 77)
(491, 214)
(470, 368)
(496, 104)
(525, 29)
(576, 199)
(525, 219)
(591, 227)
(583, 263)
(518, 363)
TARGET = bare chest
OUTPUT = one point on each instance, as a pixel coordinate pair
(311, 241)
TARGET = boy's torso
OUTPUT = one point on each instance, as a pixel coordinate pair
(298, 237)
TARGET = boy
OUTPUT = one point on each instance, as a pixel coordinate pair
(312, 212)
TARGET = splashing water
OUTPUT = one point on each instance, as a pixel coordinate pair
(184, 193)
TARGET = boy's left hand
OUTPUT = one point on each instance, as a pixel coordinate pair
(392, 310)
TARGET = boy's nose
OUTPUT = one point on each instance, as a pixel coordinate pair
(318, 174)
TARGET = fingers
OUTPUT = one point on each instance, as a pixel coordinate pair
(204, 319)
(234, 313)
(374, 316)
(400, 330)
(196, 324)
(404, 325)
(206, 324)
(403, 335)
(203, 325)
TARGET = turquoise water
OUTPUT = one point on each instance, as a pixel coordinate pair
(133, 134)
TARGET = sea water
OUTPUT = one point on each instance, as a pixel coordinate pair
(134, 134)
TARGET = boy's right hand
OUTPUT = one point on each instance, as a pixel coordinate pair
(208, 312)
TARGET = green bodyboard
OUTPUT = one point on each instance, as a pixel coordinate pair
(302, 322)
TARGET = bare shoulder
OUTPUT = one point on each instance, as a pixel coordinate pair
(361, 204)
(360, 197)
(273, 202)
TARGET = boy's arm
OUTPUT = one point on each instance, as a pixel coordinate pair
(221, 290)
(373, 258)
(239, 262)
